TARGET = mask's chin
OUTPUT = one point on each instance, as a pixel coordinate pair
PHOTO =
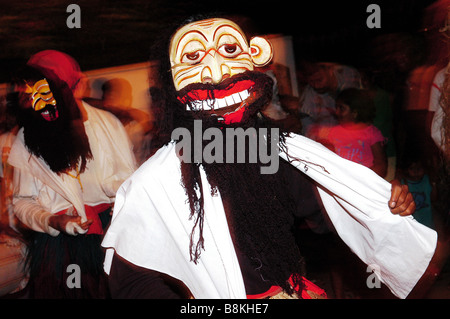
(227, 100)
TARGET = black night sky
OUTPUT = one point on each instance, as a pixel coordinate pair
(121, 32)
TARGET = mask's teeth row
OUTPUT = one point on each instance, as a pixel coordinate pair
(207, 105)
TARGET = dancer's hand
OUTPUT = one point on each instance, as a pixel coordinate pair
(401, 201)
(76, 226)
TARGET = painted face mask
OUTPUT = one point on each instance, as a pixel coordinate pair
(213, 52)
(42, 100)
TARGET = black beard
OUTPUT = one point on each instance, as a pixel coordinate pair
(62, 143)
(259, 211)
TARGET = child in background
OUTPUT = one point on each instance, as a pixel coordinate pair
(355, 137)
(420, 186)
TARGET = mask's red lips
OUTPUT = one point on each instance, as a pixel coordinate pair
(235, 99)
(206, 100)
(50, 113)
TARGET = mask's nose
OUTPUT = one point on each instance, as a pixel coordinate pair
(214, 71)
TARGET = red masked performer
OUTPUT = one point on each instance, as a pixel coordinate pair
(69, 160)
(197, 216)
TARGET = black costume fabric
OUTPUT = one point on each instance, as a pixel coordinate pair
(48, 259)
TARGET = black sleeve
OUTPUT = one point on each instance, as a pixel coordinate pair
(128, 281)
(306, 198)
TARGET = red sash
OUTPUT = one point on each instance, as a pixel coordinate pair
(307, 286)
(92, 212)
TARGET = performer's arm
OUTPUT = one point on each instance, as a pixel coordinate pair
(379, 159)
(26, 206)
(128, 281)
(33, 215)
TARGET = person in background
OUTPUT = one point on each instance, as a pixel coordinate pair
(69, 159)
(324, 82)
(384, 119)
(436, 109)
(421, 186)
(356, 138)
(117, 98)
(13, 277)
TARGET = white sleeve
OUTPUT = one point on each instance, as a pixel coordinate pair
(116, 151)
(121, 159)
(26, 207)
(397, 248)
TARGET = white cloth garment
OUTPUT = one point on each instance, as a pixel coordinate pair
(39, 192)
(397, 248)
(151, 226)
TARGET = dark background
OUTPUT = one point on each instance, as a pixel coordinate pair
(121, 32)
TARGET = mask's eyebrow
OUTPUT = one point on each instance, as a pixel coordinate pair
(187, 33)
(231, 27)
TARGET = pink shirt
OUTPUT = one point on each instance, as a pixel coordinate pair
(354, 143)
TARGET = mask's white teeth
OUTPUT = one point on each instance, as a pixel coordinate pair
(220, 103)
(244, 95)
(229, 100)
(237, 98)
(208, 105)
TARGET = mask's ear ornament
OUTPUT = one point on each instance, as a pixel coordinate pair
(261, 51)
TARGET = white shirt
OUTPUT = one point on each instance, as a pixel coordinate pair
(39, 192)
(151, 227)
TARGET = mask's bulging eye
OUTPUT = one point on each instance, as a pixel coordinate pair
(193, 57)
(230, 50)
(47, 96)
